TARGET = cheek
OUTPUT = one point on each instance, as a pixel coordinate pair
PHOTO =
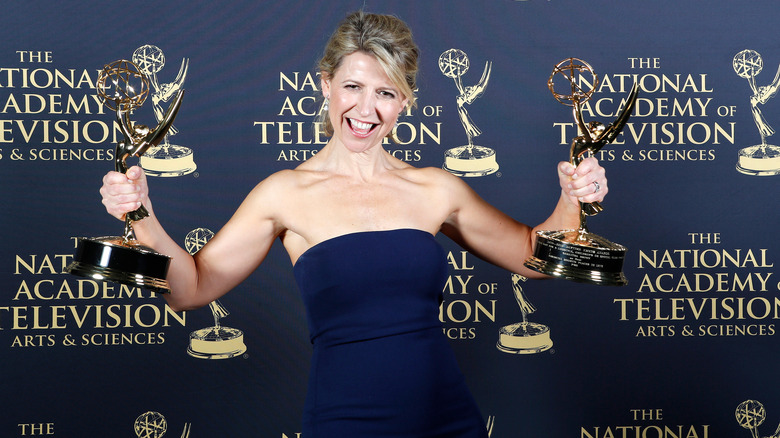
(340, 104)
(391, 112)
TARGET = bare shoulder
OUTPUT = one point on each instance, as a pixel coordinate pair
(270, 198)
(430, 175)
(282, 183)
(439, 180)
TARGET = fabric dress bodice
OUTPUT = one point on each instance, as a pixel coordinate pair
(381, 366)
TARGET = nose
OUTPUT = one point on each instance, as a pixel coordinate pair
(366, 103)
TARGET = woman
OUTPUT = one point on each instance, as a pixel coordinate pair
(359, 226)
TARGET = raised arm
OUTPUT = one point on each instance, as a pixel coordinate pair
(492, 235)
(231, 255)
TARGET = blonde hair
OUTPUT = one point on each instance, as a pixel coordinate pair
(386, 38)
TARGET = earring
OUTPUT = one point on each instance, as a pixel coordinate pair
(326, 104)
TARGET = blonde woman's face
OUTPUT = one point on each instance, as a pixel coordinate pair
(364, 103)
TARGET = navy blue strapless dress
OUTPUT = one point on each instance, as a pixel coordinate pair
(381, 366)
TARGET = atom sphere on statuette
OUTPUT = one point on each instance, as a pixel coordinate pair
(150, 59)
(748, 64)
(454, 63)
(121, 83)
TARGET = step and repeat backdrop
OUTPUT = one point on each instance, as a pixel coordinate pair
(688, 348)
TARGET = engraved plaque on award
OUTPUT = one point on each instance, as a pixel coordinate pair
(578, 254)
(123, 259)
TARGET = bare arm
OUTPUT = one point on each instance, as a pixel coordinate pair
(236, 250)
(493, 236)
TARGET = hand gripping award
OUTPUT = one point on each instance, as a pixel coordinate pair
(123, 259)
(578, 254)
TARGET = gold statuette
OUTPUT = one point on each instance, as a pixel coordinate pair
(578, 254)
(123, 259)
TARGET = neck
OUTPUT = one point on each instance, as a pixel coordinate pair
(337, 158)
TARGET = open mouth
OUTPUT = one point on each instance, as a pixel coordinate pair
(359, 128)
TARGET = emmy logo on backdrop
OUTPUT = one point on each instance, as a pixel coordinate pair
(578, 254)
(123, 259)
(761, 159)
(470, 159)
(523, 337)
(751, 414)
(153, 425)
(215, 342)
(167, 159)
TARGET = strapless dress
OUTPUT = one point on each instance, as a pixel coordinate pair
(381, 365)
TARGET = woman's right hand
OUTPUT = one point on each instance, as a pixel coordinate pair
(125, 192)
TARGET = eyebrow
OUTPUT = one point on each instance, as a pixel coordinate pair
(390, 87)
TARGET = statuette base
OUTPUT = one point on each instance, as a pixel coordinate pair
(168, 161)
(126, 262)
(216, 343)
(470, 161)
(524, 338)
(759, 160)
(579, 256)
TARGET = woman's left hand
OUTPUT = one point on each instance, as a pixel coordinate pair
(585, 183)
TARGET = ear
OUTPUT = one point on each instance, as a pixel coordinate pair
(325, 84)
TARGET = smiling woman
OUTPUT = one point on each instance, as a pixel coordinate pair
(359, 226)
(364, 102)
(387, 39)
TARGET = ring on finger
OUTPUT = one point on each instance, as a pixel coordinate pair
(598, 186)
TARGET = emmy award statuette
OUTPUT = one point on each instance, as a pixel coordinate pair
(165, 159)
(523, 337)
(217, 342)
(470, 159)
(123, 259)
(762, 159)
(578, 254)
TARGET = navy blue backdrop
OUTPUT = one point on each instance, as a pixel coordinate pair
(687, 349)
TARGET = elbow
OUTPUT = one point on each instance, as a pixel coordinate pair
(177, 307)
(180, 305)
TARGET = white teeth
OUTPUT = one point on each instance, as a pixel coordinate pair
(360, 125)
